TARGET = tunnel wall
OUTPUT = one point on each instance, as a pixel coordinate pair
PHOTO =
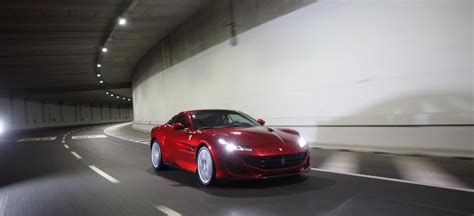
(389, 75)
(24, 114)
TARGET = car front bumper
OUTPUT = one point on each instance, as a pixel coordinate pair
(234, 166)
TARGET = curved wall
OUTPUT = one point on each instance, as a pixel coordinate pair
(22, 113)
(367, 75)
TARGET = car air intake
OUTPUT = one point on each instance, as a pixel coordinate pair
(275, 162)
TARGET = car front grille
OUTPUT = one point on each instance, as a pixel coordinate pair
(275, 162)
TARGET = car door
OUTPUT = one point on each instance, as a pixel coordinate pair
(168, 148)
(178, 140)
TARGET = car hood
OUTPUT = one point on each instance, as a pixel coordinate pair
(262, 140)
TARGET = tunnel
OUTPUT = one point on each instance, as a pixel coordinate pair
(236, 107)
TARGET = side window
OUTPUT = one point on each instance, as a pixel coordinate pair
(181, 118)
(235, 118)
(172, 120)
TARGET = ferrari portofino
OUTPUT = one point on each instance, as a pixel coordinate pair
(227, 144)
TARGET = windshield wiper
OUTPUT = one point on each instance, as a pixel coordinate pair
(210, 127)
(241, 125)
(205, 128)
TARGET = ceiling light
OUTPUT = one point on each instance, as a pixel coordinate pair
(104, 50)
(101, 81)
(107, 93)
(123, 98)
(98, 75)
(99, 65)
(111, 95)
(122, 21)
(129, 99)
(118, 96)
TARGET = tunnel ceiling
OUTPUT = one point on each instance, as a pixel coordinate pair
(49, 49)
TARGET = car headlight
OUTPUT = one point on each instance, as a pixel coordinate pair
(302, 142)
(230, 147)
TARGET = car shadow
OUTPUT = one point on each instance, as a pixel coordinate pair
(247, 188)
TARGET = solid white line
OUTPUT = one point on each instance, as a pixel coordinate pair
(66, 146)
(421, 170)
(36, 139)
(167, 211)
(394, 180)
(103, 174)
(111, 128)
(89, 136)
(76, 155)
(343, 162)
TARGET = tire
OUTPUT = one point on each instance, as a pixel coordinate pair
(205, 167)
(156, 159)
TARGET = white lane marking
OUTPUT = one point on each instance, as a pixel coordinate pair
(167, 211)
(343, 162)
(36, 139)
(66, 146)
(141, 141)
(109, 132)
(103, 174)
(421, 170)
(393, 180)
(89, 136)
(76, 155)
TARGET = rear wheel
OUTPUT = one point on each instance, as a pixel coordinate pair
(156, 160)
(206, 170)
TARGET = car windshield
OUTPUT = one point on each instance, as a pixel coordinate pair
(207, 119)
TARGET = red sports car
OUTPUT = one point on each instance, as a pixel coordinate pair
(227, 144)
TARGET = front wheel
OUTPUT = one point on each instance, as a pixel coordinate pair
(156, 160)
(205, 171)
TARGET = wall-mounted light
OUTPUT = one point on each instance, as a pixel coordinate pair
(104, 50)
(99, 65)
(1, 127)
(122, 21)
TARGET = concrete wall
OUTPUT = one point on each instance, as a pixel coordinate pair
(387, 75)
(22, 113)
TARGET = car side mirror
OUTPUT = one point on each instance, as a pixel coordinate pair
(261, 121)
(178, 126)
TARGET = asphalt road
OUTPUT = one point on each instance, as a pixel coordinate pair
(110, 176)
